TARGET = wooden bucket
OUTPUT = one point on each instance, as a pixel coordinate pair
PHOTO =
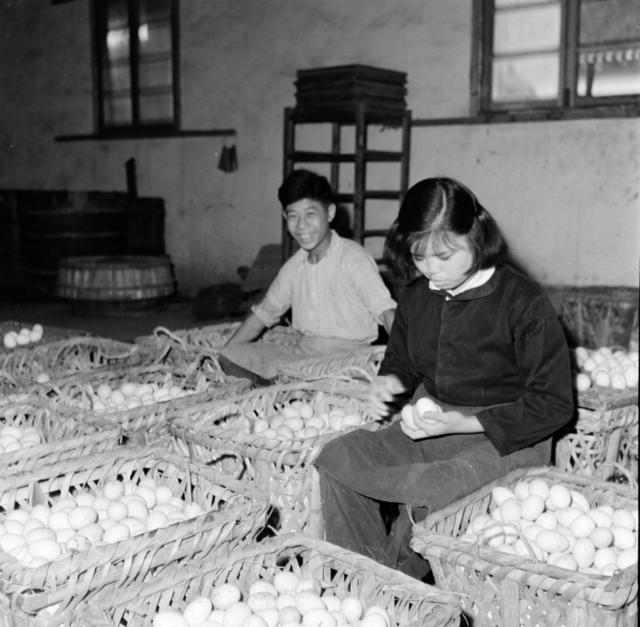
(58, 225)
(115, 284)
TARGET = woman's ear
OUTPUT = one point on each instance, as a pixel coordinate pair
(331, 212)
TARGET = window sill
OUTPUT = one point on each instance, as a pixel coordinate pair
(146, 135)
(503, 117)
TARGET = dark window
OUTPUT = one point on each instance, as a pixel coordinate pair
(136, 67)
(557, 56)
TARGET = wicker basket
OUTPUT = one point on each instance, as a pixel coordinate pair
(283, 469)
(20, 367)
(592, 445)
(408, 602)
(365, 359)
(63, 437)
(182, 346)
(233, 514)
(504, 590)
(73, 393)
(597, 316)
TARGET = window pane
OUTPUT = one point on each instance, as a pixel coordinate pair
(156, 107)
(527, 29)
(525, 78)
(155, 73)
(613, 72)
(117, 111)
(117, 33)
(154, 38)
(609, 20)
(116, 78)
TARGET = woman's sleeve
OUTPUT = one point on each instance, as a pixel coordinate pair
(546, 403)
(396, 359)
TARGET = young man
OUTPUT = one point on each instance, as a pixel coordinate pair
(331, 284)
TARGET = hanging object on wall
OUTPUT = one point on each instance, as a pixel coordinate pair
(228, 161)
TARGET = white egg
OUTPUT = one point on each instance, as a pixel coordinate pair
(510, 510)
(197, 611)
(307, 600)
(626, 558)
(559, 497)
(169, 618)
(584, 552)
(501, 494)
(623, 537)
(10, 340)
(286, 582)
(117, 511)
(82, 516)
(582, 526)
(623, 518)
(605, 557)
(319, 617)
(225, 596)
(601, 537)
(532, 506)
(116, 533)
(104, 391)
(261, 600)
(352, 608)
(236, 614)
(552, 541)
(582, 381)
(113, 490)
(540, 487)
(289, 614)
(47, 549)
(547, 520)
(601, 378)
(163, 494)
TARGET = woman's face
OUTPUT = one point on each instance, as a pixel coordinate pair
(446, 262)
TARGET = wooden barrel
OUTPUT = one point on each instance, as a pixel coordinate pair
(106, 285)
(54, 226)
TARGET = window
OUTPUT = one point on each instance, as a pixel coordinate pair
(558, 57)
(136, 69)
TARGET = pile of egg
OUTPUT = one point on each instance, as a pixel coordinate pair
(23, 337)
(75, 523)
(298, 420)
(286, 601)
(557, 525)
(130, 395)
(15, 438)
(606, 367)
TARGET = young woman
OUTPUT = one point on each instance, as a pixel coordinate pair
(480, 341)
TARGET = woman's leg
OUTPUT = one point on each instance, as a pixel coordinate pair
(352, 520)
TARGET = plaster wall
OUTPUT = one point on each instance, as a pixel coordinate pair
(566, 193)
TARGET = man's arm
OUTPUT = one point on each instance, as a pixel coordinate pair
(248, 331)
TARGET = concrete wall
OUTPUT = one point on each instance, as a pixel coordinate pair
(566, 193)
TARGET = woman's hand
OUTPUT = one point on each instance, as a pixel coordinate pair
(430, 424)
(381, 391)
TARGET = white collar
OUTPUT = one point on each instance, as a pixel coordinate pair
(480, 277)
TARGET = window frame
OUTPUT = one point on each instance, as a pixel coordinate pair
(568, 104)
(136, 128)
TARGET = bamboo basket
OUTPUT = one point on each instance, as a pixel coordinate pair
(182, 346)
(281, 468)
(365, 359)
(62, 437)
(77, 393)
(57, 354)
(408, 602)
(595, 316)
(233, 513)
(504, 590)
(593, 444)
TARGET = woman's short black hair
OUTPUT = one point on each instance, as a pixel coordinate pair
(300, 184)
(435, 207)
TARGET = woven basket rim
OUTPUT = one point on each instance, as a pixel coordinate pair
(622, 587)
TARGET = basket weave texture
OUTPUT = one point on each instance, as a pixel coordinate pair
(408, 602)
(599, 315)
(73, 395)
(594, 443)
(20, 367)
(365, 359)
(504, 590)
(63, 437)
(233, 514)
(180, 347)
(282, 468)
